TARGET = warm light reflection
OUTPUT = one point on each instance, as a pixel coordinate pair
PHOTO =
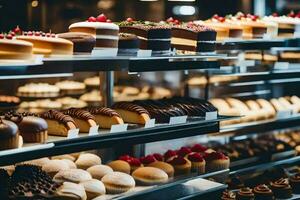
(34, 3)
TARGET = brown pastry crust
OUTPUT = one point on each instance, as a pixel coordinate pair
(105, 117)
(9, 135)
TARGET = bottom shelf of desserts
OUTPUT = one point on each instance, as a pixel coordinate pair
(84, 176)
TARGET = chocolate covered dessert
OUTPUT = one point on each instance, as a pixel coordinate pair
(105, 117)
(9, 135)
(245, 194)
(228, 195)
(128, 44)
(281, 188)
(263, 192)
(295, 183)
(83, 42)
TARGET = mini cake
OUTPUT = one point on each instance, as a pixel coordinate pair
(228, 195)
(199, 148)
(98, 171)
(105, 117)
(146, 160)
(295, 183)
(58, 123)
(83, 119)
(198, 162)
(38, 90)
(133, 162)
(54, 166)
(9, 135)
(216, 161)
(118, 182)
(149, 176)
(106, 33)
(128, 44)
(153, 36)
(93, 188)
(14, 49)
(68, 87)
(193, 37)
(169, 155)
(83, 42)
(87, 160)
(263, 192)
(72, 175)
(132, 113)
(184, 151)
(281, 188)
(33, 129)
(166, 167)
(48, 45)
(120, 166)
(72, 191)
(245, 194)
(182, 166)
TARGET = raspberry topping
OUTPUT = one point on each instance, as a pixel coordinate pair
(147, 159)
(169, 154)
(135, 162)
(215, 156)
(9, 36)
(198, 148)
(129, 19)
(183, 151)
(17, 30)
(158, 157)
(126, 158)
(1, 36)
(92, 19)
(178, 161)
(108, 21)
(101, 18)
(195, 157)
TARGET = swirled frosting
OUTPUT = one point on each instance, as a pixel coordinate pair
(103, 111)
(58, 116)
(79, 113)
(228, 195)
(281, 183)
(245, 192)
(130, 107)
(295, 178)
(262, 189)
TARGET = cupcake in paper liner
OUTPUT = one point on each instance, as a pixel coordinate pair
(198, 162)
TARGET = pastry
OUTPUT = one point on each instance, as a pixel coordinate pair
(228, 195)
(93, 82)
(169, 155)
(288, 105)
(106, 34)
(133, 162)
(83, 42)
(83, 119)
(69, 102)
(120, 166)
(87, 160)
(216, 161)
(118, 182)
(33, 129)
(68, 87)
(38, 90)
(263, 192)
(295, 183)
(71, 191)
(198, 162)
(58, 123)
(149, 176)
(267, 106)
(9, 135)
(9, 101)
(277, 105)
(153, 36)
(98, 171)
(193, 37)
(93, 188)
(132, 113)
(198, 148)
(254, 106)
(184, 151)
(72, 175)
(71, 164)
(182, 166)
(281, 189)
(52, 167)
(245, 194)
(128, 44)
(37, 162)
(64, 156)
(158, 156)
(146, 160)
(247, 114)
(105, 117)
(166, 167)
(48, 45)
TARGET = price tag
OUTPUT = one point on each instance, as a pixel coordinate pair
(281, 65)
(283, 114)
(211, 115)
(178, 120)
(267, 36)
(144, 53)
(73, 133)
(150, 123)
(94, 130)
(109, 52)
(244, 64)
(118, 128)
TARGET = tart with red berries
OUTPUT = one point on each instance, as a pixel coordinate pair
(182, 166)
(198, 162)
(216, 161)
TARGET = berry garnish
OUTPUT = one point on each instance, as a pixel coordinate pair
(195, 157)
(292, 14)
(37, 33)
(216, 16)
(198, 148)
(275, 15)
(178, 161)
(148, 159)
(170, 20)
(101, 18)
(176, 21)
(108, 21)
(158, 157)
(92, 19)
(135, 162)
(129, 19)
(12, 33)
(9, 36)
(29, 33)
(48, 34)
(53, 35)
(221, 19)
(215, 156)
(126, 158)
(1, 36)
(17, 30)
(183, 151)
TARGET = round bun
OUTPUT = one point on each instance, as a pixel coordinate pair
(54, 166)
(72, 175)
(118, 182)
(120, 166)
(65, 156)
(71, 164)
(93, 188)
(166, 167)
(72, 191)
(87, 160)
(38, 162)
(150, 176)
(98, 171)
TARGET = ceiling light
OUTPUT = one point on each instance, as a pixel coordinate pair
(183, 0)
(184, 10)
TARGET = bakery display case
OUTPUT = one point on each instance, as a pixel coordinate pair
(206, 109)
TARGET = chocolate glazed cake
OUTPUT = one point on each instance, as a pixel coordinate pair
(128, 44)
(153, 36)
(193, 37)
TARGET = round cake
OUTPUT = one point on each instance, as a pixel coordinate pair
(83, 42)
(15, 49)
(128, 44)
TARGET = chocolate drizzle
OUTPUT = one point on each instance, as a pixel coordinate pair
(262, 189)
(281, 183)
(228, 195)
(245, 192)
(17, 117)
(79, 113)
(295, 178)
(130, 107)
(59, 116)
(103, 111)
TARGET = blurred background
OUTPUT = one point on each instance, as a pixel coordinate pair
(58, 14)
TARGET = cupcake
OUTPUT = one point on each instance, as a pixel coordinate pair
(149, 176)
(146, 160)
(245, 194)
(98, 171)
(120, 166)
(295, 183)
(184, 151)
(198, 148)
(181, 165)
(198, 162)
(9, 135)
(228, 195)
(118, 182)
(133, 162)
(216, 161)
(169, 155)
(166, 167)
(263, 192)
(87, 160)
(158, 157)
(93, 188)
(281, 188)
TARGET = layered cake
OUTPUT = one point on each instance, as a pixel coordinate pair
(83, 42)
(105, 32)
(128, 44)
(193, 37)
(14, 49)
(153, 36)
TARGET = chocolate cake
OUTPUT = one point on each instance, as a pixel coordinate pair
(83, 42)
(128, 44)
(153, 36)
(193, 37)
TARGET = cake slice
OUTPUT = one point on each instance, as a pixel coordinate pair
(193, 37)
(105, 117)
